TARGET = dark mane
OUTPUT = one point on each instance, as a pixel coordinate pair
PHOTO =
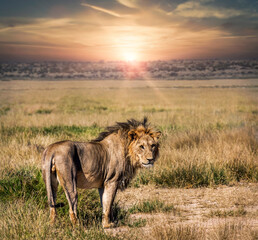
(125, 127)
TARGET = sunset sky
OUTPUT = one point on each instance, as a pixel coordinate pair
(82, 30)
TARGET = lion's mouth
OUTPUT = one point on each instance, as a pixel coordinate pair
(147, 165)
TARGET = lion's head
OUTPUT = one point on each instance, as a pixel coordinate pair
(141, 140)
(144, 146)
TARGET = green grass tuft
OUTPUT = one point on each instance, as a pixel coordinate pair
(56, 130)
(151, 206)
(138, 223)
(26, 183)
(193, 176)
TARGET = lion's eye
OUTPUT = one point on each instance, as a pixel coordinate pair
(142, 147)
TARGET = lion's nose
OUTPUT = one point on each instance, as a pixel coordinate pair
(151, 160)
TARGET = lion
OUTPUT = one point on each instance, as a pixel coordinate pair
(108, 163)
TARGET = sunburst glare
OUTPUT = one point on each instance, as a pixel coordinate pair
(130, 56)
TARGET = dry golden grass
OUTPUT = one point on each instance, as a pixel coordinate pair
(234, 231)
(209, 139)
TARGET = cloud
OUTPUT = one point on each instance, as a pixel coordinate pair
(143, 4)
(195, 9)
(16, 21)
(151, 29)
(102, 10)
(129, 3)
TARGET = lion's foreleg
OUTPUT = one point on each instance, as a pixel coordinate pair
(107, 201)
(101, 191)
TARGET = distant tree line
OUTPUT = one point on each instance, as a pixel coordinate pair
(158, 70)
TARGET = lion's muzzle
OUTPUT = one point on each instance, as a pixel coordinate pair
(149, 163)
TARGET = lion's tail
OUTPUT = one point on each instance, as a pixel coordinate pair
(50, 196)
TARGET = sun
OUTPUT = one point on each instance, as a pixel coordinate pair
(130, 56)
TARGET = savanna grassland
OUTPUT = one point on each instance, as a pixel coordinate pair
(204, 185)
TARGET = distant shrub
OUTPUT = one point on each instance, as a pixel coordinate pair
(153, 110)
(43, 111)
(4, 110)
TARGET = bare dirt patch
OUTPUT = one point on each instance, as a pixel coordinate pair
(208, 209)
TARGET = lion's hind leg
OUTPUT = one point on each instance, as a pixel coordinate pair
(72, 197)
(70, 189)
(54, 186)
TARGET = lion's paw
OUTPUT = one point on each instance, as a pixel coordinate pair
(109, 225)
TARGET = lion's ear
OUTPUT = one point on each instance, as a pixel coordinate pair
(156, 134)
(132, 135)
